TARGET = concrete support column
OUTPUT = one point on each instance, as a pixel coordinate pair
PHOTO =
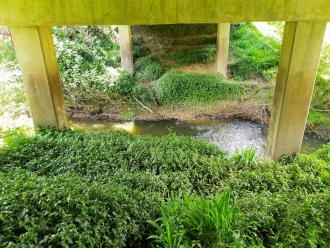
(125, 41)
(299, 61)
(37, 59)
(223, 48)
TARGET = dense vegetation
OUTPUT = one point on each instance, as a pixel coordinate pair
(107, 189)
(252, 54)
(176, 88)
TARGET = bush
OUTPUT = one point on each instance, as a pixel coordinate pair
(177, 88)
(201, 55)
(75, 188)
(83, 64)
(324, 153)
(128, 86)
(148, 68)
(139, 50)
(251, 53)
(7, 52)
(66, 210)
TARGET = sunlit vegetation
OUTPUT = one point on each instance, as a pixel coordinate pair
(176, 88)
(252, 54)
(75, 188)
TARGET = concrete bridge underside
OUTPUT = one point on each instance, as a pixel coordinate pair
(30, 23)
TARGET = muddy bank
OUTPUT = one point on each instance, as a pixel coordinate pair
(219, 111)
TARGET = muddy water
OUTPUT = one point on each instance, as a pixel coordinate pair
(228, 135)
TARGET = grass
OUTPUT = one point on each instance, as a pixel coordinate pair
(176, 88)
(148, 68)
(252, 54)
(74, 188)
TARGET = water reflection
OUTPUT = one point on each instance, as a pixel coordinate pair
(229, 135)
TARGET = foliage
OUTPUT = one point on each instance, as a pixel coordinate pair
(320, 102)
(139, 50)
(196, 221)
(324, 67)
(148, 68)
(66, 211)
(201, 55)
(251, 53)
(83, 64)
(7, 52)
(129, 86)
(177, 88)
(324, 153)
(71, 188)
(318, 118)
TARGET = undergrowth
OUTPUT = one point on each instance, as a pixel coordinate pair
(252, 54)
(148, 68)
(73, 188)
(176, 88)
(84, 64)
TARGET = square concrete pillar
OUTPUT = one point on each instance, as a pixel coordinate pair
(300, 54)
(222, 48)
(125, 41)
(37, 59)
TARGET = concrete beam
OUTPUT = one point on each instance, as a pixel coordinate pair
(125, 41)
(222, 48)
(294, 88)
(119, 12)
(37, 59)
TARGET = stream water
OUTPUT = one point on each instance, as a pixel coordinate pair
(228, 135)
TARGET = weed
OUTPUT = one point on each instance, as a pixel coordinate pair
(101, 188)
(179, 88)
(251, 53)
(148, 68)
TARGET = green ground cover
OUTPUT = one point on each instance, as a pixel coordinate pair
(110, 189)
(176, 88)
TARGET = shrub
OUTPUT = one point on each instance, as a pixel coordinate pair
(128, 86)
(251, 53)
(83, 64)
(139, 50)
(7, 52)
(176, 87)
(324, 153)
(75, 188)
(66, 211)
(321, 96)
(148, 68)
(201, 55)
